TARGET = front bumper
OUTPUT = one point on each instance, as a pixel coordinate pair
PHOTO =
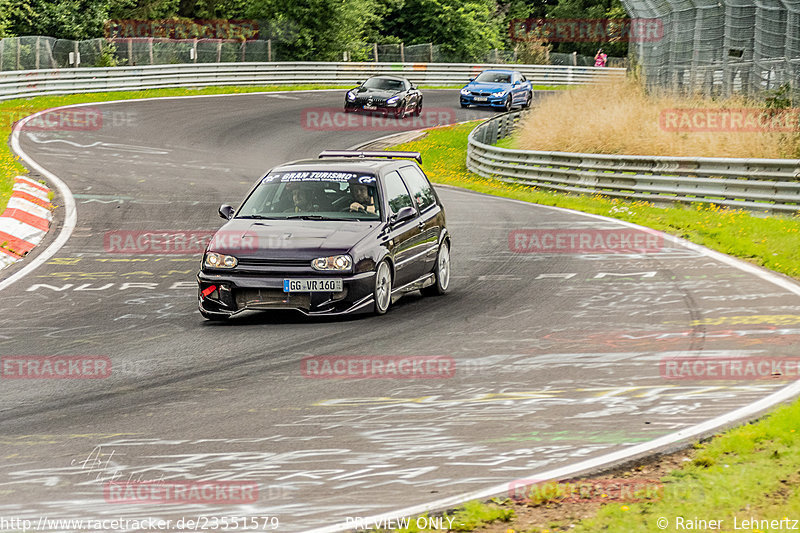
(350, 107)
(491, 101)
(235, 293)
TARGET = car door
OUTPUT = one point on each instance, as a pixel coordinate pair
(404, 238)
(429, 222)
(518, 89)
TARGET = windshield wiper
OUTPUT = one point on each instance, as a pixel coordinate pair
(259, 217)
(316, 217)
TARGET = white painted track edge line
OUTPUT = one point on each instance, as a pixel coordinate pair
(70, 218)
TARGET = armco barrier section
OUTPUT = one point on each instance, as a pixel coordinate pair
(16, 84)
(771, 185)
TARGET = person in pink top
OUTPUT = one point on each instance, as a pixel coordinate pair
(600, 58)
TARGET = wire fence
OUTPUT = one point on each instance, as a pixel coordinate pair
(38, 52)
(720, 47)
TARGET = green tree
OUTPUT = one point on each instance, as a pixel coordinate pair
(589, 10)
(64, 19)
(312, 30)
(465, 29)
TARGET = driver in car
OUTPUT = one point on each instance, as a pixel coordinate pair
(362, 200)
(301, 198)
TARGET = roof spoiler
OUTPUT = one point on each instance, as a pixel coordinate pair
(362, 155)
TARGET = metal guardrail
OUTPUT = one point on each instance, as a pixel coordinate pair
(17, 84)
(771, 185)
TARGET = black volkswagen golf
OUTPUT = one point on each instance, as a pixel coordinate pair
(351, 231)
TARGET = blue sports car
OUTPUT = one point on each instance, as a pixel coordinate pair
(498, 88)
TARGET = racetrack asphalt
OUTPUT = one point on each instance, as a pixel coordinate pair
(559, 357)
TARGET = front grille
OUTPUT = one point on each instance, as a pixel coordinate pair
(295, 263)
(480, 93)
(271, 299)
(375, 101)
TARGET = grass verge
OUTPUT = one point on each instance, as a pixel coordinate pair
(748, 473)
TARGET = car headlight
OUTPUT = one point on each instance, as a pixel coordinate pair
(215, 260)
(465, 91)
(393, 100)
(351, 95)
(334, 262)
(501, 93)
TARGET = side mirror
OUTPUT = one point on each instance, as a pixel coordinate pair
(472, 79)
(359, 83)
(406, 213)
(413, 86)
(226, 211)
(515, 84)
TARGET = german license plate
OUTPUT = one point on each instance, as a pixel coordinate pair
(312, 285)
(480, 98)
(370, 107)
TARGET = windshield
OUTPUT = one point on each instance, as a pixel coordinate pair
(384, 84)
(314, 195)
(494, 77)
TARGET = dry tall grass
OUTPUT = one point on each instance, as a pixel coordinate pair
(619, 118)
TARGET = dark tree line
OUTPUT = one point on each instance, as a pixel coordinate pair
(317, 29)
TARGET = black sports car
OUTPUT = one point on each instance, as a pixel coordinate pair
(387, 95)
(347, 232)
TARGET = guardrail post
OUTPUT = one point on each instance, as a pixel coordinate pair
(244, 44)
(430, 52)
(269, 50)
(402, 53)
(219, 50)
(38, 40)
(18, 57)
(375, 51)
(2, 46)
(194, 50)
(150, 49)
(130, 51)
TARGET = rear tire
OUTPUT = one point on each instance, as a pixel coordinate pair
(418, 109)
(382, 293)
(529, 100)
(441, 271)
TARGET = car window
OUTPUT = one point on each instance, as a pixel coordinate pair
(524, 79)
(420, 188)
(314, 194)
(494, 77)
(384, 84)
(396, 192)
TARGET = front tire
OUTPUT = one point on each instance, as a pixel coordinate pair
(382, 293)
(507, 105)
(441, 272)
(400, 114)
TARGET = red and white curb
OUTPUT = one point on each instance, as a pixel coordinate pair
(25, 221)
